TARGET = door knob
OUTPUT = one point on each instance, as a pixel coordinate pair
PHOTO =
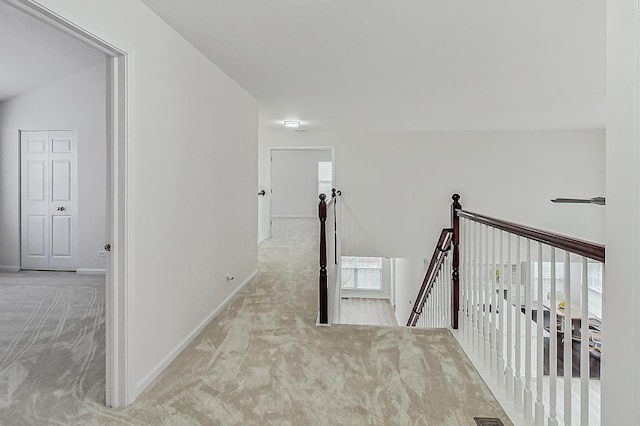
(60, 209)
(262, 193)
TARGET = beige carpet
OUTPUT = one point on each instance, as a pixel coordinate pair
(361, 311)
(263, 361)
(51, 344)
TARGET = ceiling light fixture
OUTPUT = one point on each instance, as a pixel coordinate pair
(291, 124)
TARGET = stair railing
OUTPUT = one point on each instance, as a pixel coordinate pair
(526, 302)
(433, 293)
(329, 257)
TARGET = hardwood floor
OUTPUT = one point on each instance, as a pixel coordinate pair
(594, 356)
(367, 312)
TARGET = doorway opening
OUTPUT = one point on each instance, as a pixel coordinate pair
(114, 158)
(298, 174)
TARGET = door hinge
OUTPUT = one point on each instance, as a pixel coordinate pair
(107, 247)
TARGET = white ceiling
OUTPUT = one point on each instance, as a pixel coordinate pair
(407, 64)
(33, 54)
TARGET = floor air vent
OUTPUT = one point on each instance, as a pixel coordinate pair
(488, 421)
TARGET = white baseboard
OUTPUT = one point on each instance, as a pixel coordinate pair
(294, 217)
(86, 271)
(144, 383)
(489, 377)
(10, 268)
(364, 294)
(321, 325)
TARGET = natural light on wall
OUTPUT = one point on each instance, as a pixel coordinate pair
(325, 177)
(361, 273)
(594, 282)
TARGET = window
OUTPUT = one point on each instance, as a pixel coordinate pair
(594, 283)
(325, 177)
(362, 273)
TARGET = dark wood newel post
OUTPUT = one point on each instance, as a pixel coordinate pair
(322, 215)
(455, 275)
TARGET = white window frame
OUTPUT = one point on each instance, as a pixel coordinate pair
(355, 274)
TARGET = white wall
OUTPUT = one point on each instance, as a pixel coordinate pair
(76, 102)
(294, 181)
(621, 298)
(397, 187)
(193, 177)
(409, 274)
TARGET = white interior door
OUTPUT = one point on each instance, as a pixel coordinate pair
(49, 189)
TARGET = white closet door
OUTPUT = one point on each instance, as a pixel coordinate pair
(34, 168)
(49, 200)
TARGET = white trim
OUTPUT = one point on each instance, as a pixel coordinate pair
(286, 216)
(318, 324)
(620, 314)
(363, 294)
(155, 372)
(10, 268)
(119, 268)
(87, 271)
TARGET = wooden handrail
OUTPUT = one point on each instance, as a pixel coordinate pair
(583, 248)
(439, 253)
(451, 236)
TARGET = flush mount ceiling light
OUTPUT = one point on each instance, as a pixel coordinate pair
(293, 124)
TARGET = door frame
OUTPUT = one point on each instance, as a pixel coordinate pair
(331, 148)
(119, 232)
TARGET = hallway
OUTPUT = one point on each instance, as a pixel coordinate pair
(263, 361)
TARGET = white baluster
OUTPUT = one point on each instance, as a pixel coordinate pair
(443, 286)
(434, 301)
(439, 294)
(540, 344)
(469, 286)
(445, 290)
(509, 379)
(438, 303)
(553, 344)
(429, 313)
(500, 308)
(464, 279)
(567, 341)
(518, 328)
(584, 347)
(446, 313)
(476, 277)
(486, 300)
(423, 315)
(493, 301)
(481, 262)
(528, 393)
(446, 281)
(448, 296)
(436, 298)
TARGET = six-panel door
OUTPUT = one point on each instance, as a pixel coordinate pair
(49, 190)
